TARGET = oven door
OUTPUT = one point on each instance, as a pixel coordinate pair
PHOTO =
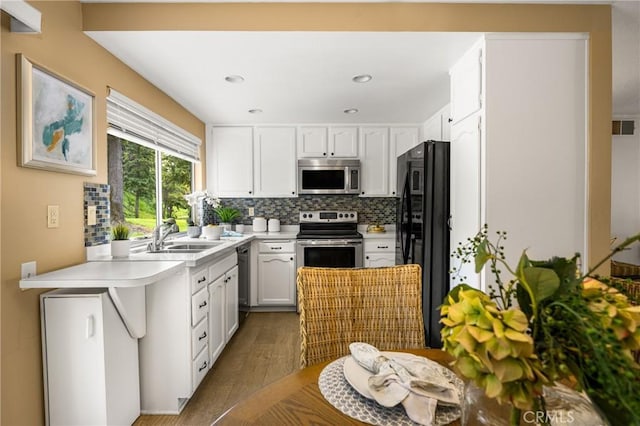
(330, 253)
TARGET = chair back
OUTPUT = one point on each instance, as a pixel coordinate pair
(379, 306)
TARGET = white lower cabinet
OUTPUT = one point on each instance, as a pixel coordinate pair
(223, 304)
(90, 360)
(276, 273)
(176, 353)
(379, 252)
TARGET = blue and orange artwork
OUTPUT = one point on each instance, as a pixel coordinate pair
(62, 122)
(56, 133)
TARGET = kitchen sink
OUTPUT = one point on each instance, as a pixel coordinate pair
(188, 247)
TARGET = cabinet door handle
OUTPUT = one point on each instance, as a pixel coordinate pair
(202, 305)
(276, 248)
(201, 280)
(204, 336)
(383, 247)
(90, 326)
(204, 365)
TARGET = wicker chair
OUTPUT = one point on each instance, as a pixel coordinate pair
(626, 278)
(380, 306)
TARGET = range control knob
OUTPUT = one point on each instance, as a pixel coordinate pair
(352, 215)
(304, 215)
(310, 215)
(340, 215)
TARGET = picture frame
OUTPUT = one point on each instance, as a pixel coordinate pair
(56, 121)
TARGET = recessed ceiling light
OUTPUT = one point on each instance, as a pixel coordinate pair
(255, 111)
(234, 78)
(362, 78)
(351, 110)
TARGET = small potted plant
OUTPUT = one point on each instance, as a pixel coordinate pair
(120, 243)
(226, 216)
(193, 230)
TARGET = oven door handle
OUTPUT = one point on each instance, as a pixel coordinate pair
(329, 242)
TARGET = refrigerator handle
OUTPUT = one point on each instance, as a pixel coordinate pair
(405, 235)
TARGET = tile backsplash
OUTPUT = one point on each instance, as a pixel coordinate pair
(370, 210)
(97, 194)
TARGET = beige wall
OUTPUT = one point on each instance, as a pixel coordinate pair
(63, 48)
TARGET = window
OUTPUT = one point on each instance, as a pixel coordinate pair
(150, 164)
(147, 186)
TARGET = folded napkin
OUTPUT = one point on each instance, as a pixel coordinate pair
(412, 381)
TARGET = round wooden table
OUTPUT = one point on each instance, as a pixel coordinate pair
(296, 400)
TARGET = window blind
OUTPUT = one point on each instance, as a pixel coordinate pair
(129, 120)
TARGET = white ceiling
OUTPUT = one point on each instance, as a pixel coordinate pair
(305, 77)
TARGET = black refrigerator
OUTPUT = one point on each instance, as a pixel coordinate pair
(422, 225)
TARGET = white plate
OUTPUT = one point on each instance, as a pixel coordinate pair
(358, 376)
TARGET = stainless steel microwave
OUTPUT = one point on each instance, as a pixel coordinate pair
(327, 176)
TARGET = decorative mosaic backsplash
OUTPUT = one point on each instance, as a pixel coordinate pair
(97, 194)
(370, 210)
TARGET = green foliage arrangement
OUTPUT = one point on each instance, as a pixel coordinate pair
(226, 214)
(565, 326)
(119, 232)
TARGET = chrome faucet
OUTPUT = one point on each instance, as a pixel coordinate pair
(161, 232)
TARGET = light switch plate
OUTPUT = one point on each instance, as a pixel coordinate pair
(53, 216)
(91, 215)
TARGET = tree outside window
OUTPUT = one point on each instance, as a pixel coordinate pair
(134, 173)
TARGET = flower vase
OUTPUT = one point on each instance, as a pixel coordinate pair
(480, 410)
(562, 406)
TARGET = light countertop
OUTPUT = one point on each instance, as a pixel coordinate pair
(105, 274)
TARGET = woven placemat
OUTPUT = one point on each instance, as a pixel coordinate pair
(335, 389)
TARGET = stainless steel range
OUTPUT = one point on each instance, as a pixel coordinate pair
(329, 239)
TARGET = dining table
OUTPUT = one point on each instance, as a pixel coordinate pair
(296, 399)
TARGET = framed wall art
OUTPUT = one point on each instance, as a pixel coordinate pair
(56, 121)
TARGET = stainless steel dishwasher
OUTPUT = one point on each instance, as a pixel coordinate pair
(243, 281)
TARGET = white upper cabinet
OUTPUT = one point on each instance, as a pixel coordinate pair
(230, 161)
(466, 84)
(401, 139)
(275, 162)
(343, 142)
(438, 126)
(312, 142)
(327, 142)
(374, 159)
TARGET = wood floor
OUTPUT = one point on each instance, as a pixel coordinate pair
(264, 349)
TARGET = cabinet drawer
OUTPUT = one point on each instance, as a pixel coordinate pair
(220, 267)
(379, 245)
(199, 279)
(284, 246)
(200, 336)
(199, 306)
(200, 367)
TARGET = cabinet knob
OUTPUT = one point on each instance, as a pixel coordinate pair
(293, 192)
(291, 258)
(362, 192)
(449, 119)
(367, 257)
(393, 193)
(324, 154)
(332, 154)
(250, 192)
